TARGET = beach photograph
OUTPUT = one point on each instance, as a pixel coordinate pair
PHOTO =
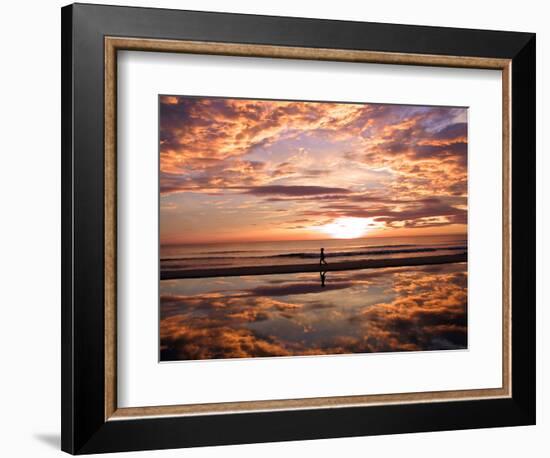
(308, 228)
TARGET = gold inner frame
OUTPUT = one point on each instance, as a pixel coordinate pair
(114, 44)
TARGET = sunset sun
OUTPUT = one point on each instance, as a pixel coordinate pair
(346, 228)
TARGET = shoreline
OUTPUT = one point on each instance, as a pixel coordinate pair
(311, 267)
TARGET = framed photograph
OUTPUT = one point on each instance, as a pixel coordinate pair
(282, 228)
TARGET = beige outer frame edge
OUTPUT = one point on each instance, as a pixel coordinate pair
(112, 45)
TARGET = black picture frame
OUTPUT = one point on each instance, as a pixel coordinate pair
(84, 428)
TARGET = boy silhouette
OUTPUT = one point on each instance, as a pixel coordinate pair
(322, 260)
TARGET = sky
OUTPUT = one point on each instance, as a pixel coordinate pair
(241, 170)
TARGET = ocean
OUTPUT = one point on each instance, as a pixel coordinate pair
(219, 255)
(392, 309)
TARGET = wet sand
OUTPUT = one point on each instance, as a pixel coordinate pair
(312, 267)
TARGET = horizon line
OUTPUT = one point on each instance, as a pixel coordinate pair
(309, 240)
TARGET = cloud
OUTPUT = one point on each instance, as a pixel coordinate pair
(323, 160)
(423, 212)
(295, 191)
(454, 131)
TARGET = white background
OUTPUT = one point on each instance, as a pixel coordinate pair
(142, 381)
(30, 233)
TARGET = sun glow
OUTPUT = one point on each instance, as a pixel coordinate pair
(347, 228)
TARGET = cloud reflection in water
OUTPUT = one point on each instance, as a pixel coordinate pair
(363, 311)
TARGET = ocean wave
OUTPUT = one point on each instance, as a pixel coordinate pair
(338, 254)
(389, 250)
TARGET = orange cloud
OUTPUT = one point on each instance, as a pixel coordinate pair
(404, 165)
